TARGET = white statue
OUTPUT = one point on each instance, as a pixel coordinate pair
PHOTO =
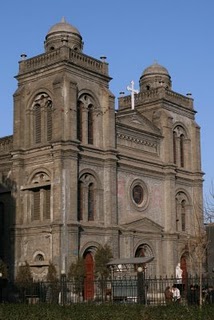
(178, 273)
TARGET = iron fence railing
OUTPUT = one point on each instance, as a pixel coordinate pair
(149, 291)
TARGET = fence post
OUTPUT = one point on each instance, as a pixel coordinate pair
(1, 285)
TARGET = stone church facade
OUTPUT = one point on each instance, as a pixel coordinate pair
(77, 173)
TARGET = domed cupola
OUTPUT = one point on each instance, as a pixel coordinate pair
(63, 33)
(155, 76)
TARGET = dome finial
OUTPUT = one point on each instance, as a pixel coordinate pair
(63, 20)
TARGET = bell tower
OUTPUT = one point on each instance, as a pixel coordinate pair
(63, 114)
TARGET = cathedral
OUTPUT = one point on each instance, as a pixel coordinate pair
(78, 173)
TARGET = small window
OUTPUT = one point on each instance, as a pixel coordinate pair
(39, 257)
(137, 193)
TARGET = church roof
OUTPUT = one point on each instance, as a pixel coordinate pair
(155, 68)
(134, 260)
(63, 26)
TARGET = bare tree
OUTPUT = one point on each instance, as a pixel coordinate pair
(102, 256)
(197, 244)
(24, 276)
(209, 206)
(76, 273)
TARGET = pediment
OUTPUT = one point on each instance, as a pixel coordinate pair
(135, 120)
(144, 224)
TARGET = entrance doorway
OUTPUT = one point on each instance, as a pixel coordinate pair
(89, 277)
(183, 263)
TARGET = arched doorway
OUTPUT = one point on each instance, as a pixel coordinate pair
(144, 250)
(89, 277)
(183, 263)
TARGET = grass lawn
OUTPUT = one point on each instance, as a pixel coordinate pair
(90, 311)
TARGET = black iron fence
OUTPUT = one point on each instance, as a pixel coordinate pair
(149, 291)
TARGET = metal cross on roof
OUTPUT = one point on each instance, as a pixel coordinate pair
(133, 91)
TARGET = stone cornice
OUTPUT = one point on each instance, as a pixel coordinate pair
(155, 95)
(63, 54)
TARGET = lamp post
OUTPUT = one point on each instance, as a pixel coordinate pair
(140, 285)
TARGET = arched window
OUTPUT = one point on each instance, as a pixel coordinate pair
(183, 215)
(42, 118)
(49, 121)
(179, 136)
(174, 147)
(79, 120)
(182, 150)
(91, 202)
(85, 119)
(80, 201)
(36, 204)
(39, 257)
(177, 214)
(37, 125)
(41, 203)
(90, 124)
(144, 250)
(40, 191)
(181, 211)
(47, 201)
(88, 198)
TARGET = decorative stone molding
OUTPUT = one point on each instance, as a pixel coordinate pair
(135, 142)
(6, 144)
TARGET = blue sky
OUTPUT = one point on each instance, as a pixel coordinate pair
(132, 35)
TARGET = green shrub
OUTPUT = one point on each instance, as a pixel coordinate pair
(24, 278)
